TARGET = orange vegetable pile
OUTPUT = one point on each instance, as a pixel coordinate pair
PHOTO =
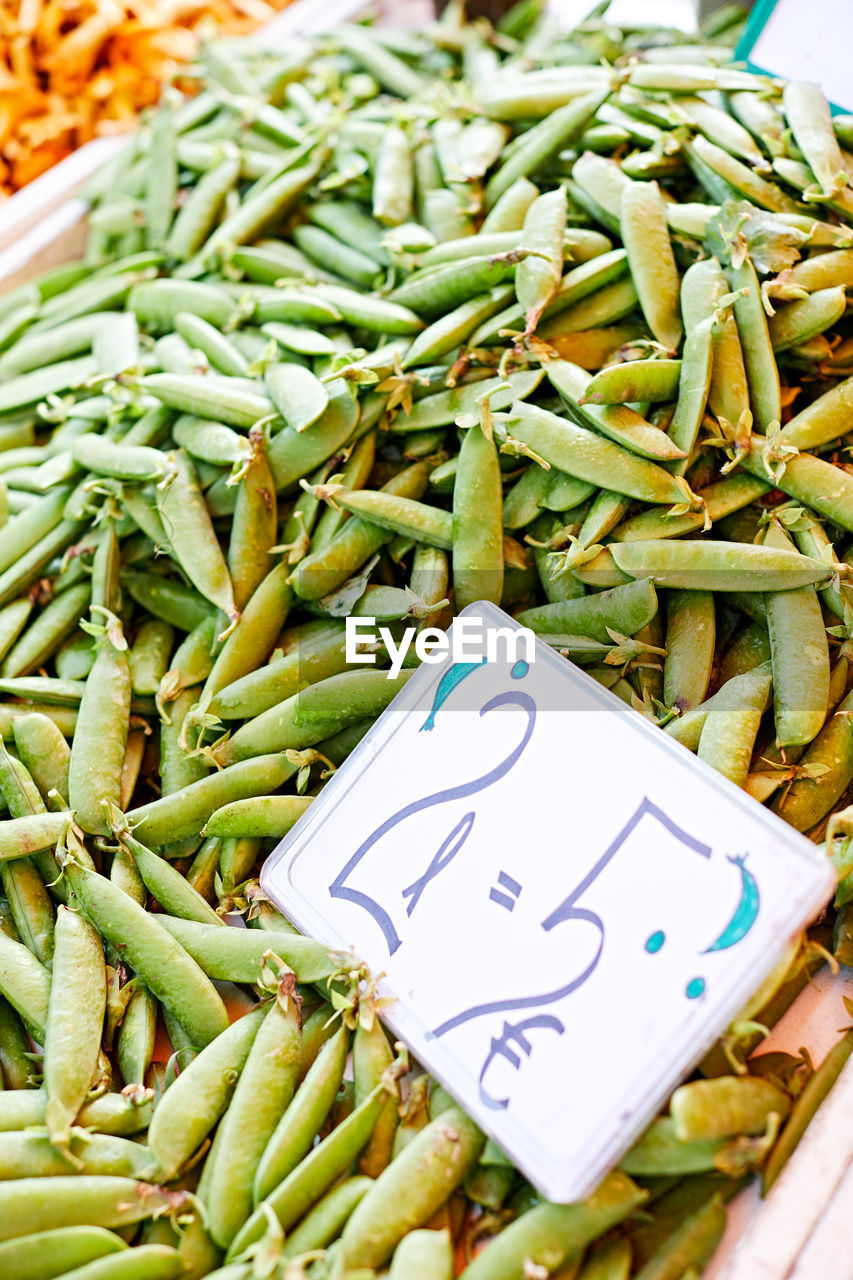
(71, 70)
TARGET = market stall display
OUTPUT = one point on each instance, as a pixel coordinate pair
(372, 324)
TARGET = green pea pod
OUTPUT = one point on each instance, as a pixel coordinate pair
(725, 1107)
(445, 407)
(691, 1244)
(662, 1152)
(624, 609)
(318, 651)
(543, 141)
(316, 712)
(537, 276)
(161, 879)
(316, 1172)
(823, 420)
(183, 813)
(299, 396)
(372, 1054)
(718, 566)
(135, 1047)
(263, 1092)
(731, 726)
(295, 1132)
(393, 179)
(15, 1062)
(193, 1104)
(690, 646)
(646, 238)
(237, 955)
(75, 1019)
(161, 963)
(555, 1232)
(67, 1248)
(619, 422)
(294, 454)
(326, 1220)
(100, 738)
(191, 535)
(253, 529)
(112, 1113)
(427, 1254)
(589, 457)
(25, 983)
(167, 598)
(28, 1205)
(808, 116)
(640, 380)
(810, 797)
(260, 817)
(36, 1154)
(412, 1189)
(799, 655)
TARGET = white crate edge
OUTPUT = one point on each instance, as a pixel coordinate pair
(26, 228)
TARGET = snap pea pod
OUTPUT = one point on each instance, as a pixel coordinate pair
(73, 1201)
(554, 1231)
(161, 963)
(412, 1188)
(47, 1254)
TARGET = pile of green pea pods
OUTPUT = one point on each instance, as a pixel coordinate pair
(382, 324)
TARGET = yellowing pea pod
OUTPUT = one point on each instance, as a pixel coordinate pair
(538, 275)
(730, 725)
(798, 322)
(812, 795)
(412, 1189)
(588, 456)
(100, 738)
(718, 566)
(634, 380)
(618, 422)
(194, 1103)
(799, 654)
(726, 1107)
(645, 235)
(258, 817)
(807, 111)
(75, 1019)
(477, 526)
(554, 1233)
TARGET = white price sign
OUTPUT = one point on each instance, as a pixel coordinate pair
(565, 906)
(802, 41)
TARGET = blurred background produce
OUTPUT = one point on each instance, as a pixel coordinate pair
(70, 72)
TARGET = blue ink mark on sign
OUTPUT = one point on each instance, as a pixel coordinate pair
(514, 1033)
(448, 682)
(569, 912)
(341, 890)
(695, 988)
(655, 941)
(447, 851)
(520, 669)
(746, 912)
(503, 899)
